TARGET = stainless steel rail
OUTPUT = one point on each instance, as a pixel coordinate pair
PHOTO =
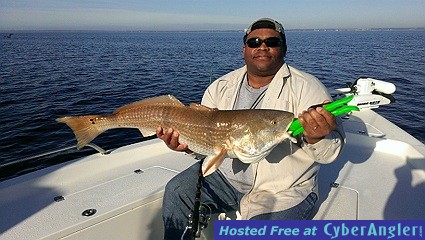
(92, 145)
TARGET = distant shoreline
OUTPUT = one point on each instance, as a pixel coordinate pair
(193, 31)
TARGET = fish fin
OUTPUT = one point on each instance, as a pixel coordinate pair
(165, 100)
(201, 107)
(84, 128)
(211, 163)
(203, 110)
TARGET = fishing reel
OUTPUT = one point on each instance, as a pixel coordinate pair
(202, 220)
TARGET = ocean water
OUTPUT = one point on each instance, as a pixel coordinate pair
(46, 75)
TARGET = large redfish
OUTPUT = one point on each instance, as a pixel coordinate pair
(248, 135)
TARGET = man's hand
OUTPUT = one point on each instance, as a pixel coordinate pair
(317, 123)
(171, 139)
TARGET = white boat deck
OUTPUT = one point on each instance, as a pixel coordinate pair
(379, 175)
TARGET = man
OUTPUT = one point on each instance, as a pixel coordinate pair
(284, 185)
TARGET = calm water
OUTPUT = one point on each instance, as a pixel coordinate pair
(45, 75)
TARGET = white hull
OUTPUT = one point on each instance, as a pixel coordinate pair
(381, 175)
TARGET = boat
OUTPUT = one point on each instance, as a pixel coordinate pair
(117, 194)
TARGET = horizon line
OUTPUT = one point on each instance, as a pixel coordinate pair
(215, 30)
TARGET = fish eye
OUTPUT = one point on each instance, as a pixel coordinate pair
(274, 122)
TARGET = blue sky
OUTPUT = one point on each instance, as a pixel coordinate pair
(207, 14)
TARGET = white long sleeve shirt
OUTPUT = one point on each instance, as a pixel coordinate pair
(289, 172)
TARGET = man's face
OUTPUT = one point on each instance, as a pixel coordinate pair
(263, 60)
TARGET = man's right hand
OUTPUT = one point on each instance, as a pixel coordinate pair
(171, 139)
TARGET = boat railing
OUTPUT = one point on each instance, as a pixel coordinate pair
(61, 150)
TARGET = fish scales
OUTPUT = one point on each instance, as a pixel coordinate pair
(153, 116)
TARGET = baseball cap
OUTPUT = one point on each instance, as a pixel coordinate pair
(265, 23)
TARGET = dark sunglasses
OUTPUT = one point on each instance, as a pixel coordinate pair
(270, 42)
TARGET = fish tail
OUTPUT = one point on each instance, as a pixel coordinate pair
(85, 128)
